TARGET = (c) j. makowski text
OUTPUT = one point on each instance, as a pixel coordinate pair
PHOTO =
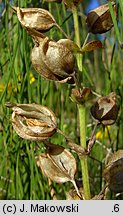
(50, 208)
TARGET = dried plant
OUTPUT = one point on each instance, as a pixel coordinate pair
(61, 61)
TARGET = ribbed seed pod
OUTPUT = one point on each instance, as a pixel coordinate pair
(33, 121)
(53, 60)
(35, 18)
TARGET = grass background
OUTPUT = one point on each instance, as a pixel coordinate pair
(20, 178)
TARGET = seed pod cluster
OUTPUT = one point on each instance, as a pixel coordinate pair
(53, 60)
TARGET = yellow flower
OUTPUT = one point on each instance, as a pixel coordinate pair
(32, 78)
(3, 86)
(10, 87)
(100, 134)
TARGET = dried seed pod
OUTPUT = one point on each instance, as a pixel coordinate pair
(35, 18)
(58, 164)
(99, 20)
(59, 167)
(54, 61)
(113, 172)
(32, 121)
(105, 109)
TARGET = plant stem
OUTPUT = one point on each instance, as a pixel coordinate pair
(77, 38)
(61, 30)
(82, 114)
(114, 22)
(83, 160)
(121, 6)
(76, 26)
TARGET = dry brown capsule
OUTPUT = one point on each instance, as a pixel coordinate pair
(105, 109)
(33, 121)
(58, 164)
(113, 172)
(35, 18)
(53, 60)
(99, 20)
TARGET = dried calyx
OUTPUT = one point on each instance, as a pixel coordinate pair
(113, 172)
(82, 97)
(99, 20)
(53, 60)
(33, 121)
(105, 109)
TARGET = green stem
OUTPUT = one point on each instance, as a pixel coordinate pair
(121, 6)
(114, 22)
(83, 160)
(82, 114)
(76, 26)
(79, 57)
